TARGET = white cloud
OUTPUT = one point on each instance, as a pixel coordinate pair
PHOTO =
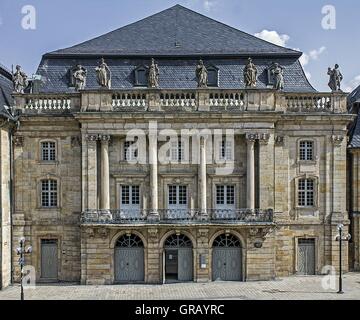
(209, 4)
(273, 37)
(314, 54)
(307, 57)
(352, 84)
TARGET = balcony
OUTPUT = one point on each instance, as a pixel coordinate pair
(177, 216)
(203, 100)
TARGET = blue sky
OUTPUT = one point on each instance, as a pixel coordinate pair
(297, 24)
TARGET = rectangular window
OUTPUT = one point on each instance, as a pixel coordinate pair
(306, 193)
(225, 196)
(48, 151)
(177, 151)
(306, 151)
(177, 196)
(130, 195)
(49, 193)
(130, 151)
(226, 150)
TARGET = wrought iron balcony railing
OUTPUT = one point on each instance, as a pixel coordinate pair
(176, 216)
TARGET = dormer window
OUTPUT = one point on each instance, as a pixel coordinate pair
(141, 76)
(213, 76)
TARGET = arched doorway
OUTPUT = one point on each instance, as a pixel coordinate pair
(178, 258)
(227, 258)
(129, 259)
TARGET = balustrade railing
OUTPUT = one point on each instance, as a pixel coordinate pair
(178, 100)
(48, 103)
(227, 100)
(129, 99)
(177, 215)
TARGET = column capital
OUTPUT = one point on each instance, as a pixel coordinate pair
(264, 138)
(337, 140)
(92, 137)
(251, 137)
(104, 138)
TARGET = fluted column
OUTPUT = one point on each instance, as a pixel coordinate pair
(250, 138)
(153, 163)
(202, 176)
(92, 197)
(105, 173)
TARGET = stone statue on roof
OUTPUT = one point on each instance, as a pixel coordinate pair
(201, 74)
(153, 80)
(103, 74)
(78, 77)
(277, 71)
(19, 80)
(250, 74)
(335, 78)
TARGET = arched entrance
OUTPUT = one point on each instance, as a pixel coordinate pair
(129, 259)
(227, 258)
(178, 258)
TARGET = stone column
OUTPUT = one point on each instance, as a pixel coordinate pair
(153, 162)
(202, 176)
(105, 174)
(92, 172)
(250, 194)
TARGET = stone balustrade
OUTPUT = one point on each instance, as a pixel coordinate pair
(203, 100)
(177, 216)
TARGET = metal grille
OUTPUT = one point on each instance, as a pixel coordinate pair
(129, 241)
(306, 193)
(306, 150)
(306, 256)
(49, 193)
(48, 151)
(227, 240)
(178, 241)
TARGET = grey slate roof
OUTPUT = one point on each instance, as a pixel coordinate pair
(174, 74)
(177, 31)
(6, 88)
(127, 48)
(354, 97)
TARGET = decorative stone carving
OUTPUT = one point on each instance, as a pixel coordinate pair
(201, 75)
(337, 140)
(279, 140)
(250, 74)
(18, 141)
(103, 233)
(90, 232)
(104, 138)
(335, 78)
(75, 141)
(78, 77)
(92, 137)
(263, 138)
(153, 233)
(153, 80)
(103, 74)
(251, 137)
(258, 235)
(19, 80)
(277, 73)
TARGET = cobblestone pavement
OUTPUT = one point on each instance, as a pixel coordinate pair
(292, 288)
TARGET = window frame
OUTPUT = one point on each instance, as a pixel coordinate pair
(136, 77)
(226, 192)
(314, 151)
(178, 193)
(306, 150)
(133, 152)
(131, 195)
(40, 151)
(49, 193)
(214, 69)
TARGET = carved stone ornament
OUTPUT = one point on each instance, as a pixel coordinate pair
(18, 141)
(75, 141)
(201, 75)
(337, 140)
(279, 140)
(92, 137)
(276, 74)
(104, 138)
(250, 74)
(251, 137)
(335, 78)
(103, 232)
(19, 79)
(153, 233)
(264, 138)
(78, 77)
(259, 233)
(153, 80)
(103, 74)
(90, 232)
